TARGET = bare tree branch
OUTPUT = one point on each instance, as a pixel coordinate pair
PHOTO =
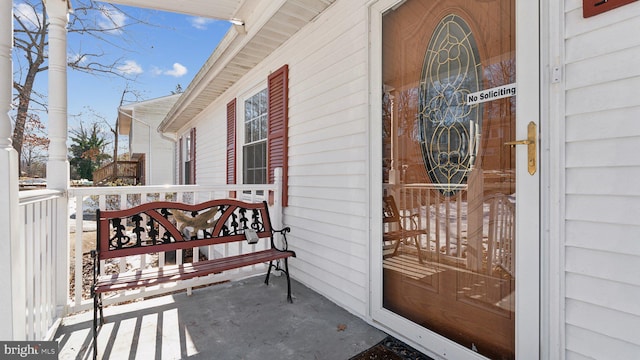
(104, 23)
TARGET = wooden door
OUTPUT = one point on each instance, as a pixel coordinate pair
(448, 73)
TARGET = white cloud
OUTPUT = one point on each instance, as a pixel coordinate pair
(177, 71)
(130, 67)
(111, 19)
(200, 23)
(27, 15)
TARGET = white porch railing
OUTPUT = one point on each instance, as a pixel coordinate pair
(465, 228)
(44, 272)
(84, 201)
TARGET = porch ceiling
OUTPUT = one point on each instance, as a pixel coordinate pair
(218, 9)
(268, 24)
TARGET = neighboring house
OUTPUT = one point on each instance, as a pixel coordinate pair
(140, 121)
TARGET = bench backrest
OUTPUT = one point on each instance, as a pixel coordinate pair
(165, 226)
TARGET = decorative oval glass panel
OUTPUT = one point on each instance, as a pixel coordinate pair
(449, 128)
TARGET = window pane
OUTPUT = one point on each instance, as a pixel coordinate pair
(254, 160)
(262, 126)
(263, 101)
(255, 130)
(247, 109)
(247, 134)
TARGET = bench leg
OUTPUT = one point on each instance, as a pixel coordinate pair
(266, 281)
(285, 270)
(97, 307)
(95, 326)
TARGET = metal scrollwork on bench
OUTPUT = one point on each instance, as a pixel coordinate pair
(120, 239)
(150, 227)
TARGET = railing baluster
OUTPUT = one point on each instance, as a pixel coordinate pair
(459, 223)
(49, 230)
(29, 274)
(39, 261)
(38, 275)
(123, 205)
(78, 258)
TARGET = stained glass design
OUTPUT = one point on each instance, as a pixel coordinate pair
(449, 128)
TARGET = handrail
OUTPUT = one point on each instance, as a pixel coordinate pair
(109, 190)
(33, 196)
(115, 170)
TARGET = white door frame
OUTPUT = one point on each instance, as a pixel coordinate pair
(527, 189)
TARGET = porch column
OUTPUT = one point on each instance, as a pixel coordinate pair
(11, 250)
(58, 164)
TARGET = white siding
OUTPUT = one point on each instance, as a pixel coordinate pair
(328, 151)
(328, 147)
(144, 139)
(602, 262)
(211, 145)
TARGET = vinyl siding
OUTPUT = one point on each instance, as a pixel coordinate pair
(328, 147)
(602, 225)
(328, 151)
(144, 139)
(211, 147)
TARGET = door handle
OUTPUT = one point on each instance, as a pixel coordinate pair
(531, 147)
(517, 142)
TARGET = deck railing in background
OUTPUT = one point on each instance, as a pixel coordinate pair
(476, 231)
(130, 171)
(423, 208)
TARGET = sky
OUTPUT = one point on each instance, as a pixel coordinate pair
(156, 57)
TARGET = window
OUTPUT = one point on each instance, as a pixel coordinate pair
(264, 128)
(254, 149)
(187, 165)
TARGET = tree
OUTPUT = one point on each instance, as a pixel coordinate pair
(34, 147)
(87, 151)
(101, 21)
(178, 90)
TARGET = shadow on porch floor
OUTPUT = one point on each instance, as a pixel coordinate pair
(238, 320)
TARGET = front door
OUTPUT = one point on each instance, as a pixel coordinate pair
(452, 169)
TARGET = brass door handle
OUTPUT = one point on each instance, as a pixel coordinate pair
(517, 142)
(531, 146)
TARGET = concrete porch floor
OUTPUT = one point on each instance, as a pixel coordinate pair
(239, 320)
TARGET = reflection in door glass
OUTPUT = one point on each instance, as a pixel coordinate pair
(448, 180)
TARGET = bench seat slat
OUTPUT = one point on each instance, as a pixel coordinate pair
(169, 273)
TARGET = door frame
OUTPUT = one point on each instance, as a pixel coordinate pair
(527, 187)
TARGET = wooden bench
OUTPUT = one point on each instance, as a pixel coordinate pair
(163, 226)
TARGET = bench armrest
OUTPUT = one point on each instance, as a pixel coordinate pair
(412, 218)
(285, 244)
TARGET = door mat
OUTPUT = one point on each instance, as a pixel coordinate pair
(391, 348)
